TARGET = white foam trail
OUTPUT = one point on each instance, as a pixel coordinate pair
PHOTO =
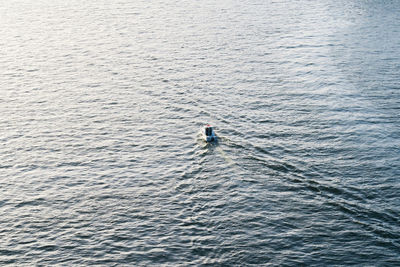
(228, 159)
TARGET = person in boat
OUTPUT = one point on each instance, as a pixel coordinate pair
(208, 131)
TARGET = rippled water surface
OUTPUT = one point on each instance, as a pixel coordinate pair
(101, 160)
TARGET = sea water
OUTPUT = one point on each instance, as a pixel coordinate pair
(100, 158)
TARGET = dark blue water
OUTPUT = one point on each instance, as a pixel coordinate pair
(102, 163)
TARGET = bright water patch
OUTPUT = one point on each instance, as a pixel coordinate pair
(100, 104)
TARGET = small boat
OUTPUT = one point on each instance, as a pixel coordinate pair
(209, 134)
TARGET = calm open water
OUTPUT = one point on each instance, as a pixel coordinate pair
(101, 162)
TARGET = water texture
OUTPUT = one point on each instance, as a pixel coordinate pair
(101, 161)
